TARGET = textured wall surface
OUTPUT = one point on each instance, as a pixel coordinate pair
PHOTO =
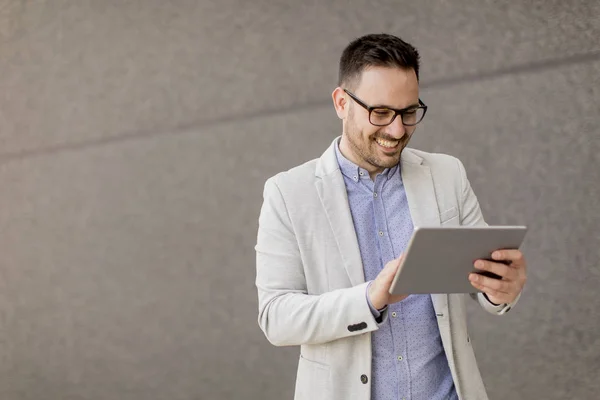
(135, 139)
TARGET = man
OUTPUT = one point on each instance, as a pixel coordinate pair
(331, 233)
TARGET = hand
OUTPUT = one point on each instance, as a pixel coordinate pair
(379, 290)
(513, 276)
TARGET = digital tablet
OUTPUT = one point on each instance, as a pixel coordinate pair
(440, 259)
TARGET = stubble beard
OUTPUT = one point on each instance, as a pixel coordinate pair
(366, 149)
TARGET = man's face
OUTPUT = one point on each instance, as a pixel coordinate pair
(378, 147)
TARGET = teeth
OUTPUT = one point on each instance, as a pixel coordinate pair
(387, 143)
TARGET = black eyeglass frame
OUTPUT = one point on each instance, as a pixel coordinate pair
(397, 112)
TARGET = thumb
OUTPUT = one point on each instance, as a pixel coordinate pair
(393, 265)
(396, 265)
(399, 260)
(392, 268)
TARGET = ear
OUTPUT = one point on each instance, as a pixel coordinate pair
(340, 102)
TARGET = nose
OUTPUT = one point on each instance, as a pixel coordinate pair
(397, 128)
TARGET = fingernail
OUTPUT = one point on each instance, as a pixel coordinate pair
(473, 277)
(479, 264)
(496, 255)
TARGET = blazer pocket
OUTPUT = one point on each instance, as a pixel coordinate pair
(314, 364)
(448, 216)
(312, 380)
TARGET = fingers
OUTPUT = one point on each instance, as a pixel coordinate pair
(486, 284)
(496, 290)
(515, 256)
(496, 297)
(514, 275)
(506, 272)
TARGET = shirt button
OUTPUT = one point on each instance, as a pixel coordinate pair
(355, 178)
(394, 314)
(399, 358)
(380, 233)
(361, 173)
(364, 379)
(375, 194)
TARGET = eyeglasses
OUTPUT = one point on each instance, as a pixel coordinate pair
(383, 116)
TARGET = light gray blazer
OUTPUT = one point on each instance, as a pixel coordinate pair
(310, 280)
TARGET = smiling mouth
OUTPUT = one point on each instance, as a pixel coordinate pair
(388, 144)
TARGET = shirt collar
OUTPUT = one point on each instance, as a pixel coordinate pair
(354, 172)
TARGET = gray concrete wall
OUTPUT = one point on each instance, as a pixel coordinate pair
(135, 138)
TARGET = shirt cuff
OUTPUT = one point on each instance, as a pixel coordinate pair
(498, 309)
(376, 313)
(491, 302)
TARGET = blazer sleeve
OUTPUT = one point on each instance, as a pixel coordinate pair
(470, 214)
(287, 314)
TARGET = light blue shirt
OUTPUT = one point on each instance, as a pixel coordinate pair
(408, 361)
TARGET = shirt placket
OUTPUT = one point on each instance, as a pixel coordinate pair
(397, 322)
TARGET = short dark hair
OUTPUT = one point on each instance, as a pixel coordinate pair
(376, 50)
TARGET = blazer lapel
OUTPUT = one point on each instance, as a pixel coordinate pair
(332, 192)
(420, 190)
(424, 209)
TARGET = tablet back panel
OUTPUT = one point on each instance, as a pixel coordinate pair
(439, 259)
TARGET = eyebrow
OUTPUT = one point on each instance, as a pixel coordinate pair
(414, 105)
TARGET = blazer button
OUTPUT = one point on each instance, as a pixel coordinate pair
(364, 379)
